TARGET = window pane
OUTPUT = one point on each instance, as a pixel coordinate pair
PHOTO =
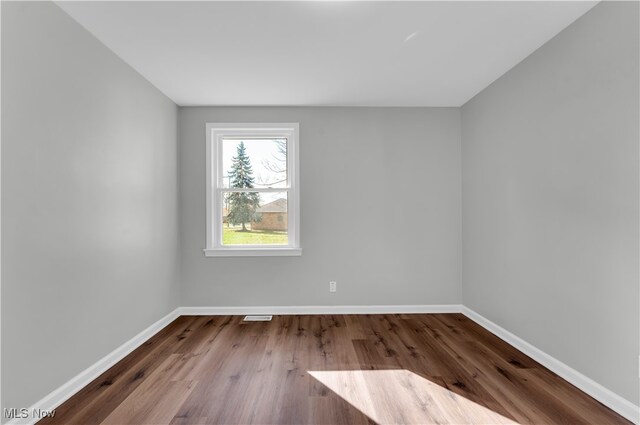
(255, 163)
(254, 218)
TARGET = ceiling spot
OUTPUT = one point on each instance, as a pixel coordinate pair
(410, 36)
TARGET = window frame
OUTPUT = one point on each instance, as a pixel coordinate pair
(215, 133)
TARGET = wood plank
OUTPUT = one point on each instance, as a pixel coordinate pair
(156, 400)
(98, 399)
(333, 369)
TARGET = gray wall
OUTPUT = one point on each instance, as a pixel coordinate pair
(550, 198)
(380, 210)
(89, 212)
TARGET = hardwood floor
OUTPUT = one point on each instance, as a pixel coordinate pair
(387, 369)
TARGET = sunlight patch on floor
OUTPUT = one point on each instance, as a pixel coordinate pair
(402, 397)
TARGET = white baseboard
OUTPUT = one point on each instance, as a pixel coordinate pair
(314, 309)
(81, 380)
(589, 386)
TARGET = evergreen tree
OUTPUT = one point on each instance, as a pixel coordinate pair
(242, 205)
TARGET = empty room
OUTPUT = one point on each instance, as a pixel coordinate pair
(320, 212)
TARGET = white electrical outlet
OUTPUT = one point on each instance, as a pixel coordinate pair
(332, 286)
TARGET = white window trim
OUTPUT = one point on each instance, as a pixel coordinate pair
(215, 133)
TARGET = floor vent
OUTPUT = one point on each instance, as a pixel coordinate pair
(263, 318)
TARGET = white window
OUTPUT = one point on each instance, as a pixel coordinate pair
(253, 205)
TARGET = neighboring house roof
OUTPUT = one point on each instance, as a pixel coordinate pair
(279, 206)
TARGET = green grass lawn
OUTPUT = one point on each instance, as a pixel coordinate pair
(234, 236)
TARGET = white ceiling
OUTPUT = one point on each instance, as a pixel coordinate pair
(323, 53)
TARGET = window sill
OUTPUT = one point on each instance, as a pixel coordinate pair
(258, 252)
